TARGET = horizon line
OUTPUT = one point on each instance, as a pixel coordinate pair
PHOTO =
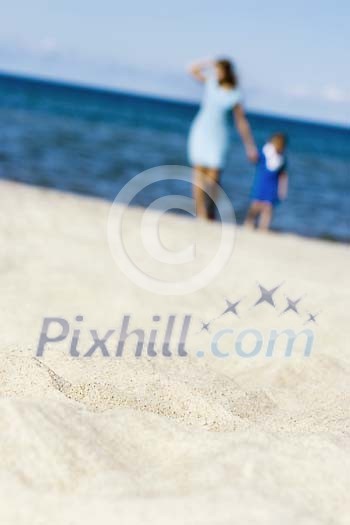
(91, 86)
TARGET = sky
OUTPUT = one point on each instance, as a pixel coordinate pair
(292, 57)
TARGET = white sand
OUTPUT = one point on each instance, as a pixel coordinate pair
(185, 441)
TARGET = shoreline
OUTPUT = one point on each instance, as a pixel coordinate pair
(88, 196)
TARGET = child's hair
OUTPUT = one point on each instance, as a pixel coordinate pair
(280, 139)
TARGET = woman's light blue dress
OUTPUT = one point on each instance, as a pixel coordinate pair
(209, 137)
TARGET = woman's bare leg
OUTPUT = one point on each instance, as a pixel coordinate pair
(212, 180)
(199, 195)
(265, 217)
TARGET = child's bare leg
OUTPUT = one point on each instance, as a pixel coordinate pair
(265, 216)
(212, 179)
(253, 212)
(199, 195)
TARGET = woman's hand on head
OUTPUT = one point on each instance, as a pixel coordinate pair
(197, 70)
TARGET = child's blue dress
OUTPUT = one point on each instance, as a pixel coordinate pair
(270, 166)
(209, 137)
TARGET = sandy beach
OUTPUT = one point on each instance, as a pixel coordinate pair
(184, 440)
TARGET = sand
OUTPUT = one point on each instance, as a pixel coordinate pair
(167, 440)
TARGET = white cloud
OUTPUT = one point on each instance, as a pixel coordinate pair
(330, 93)
(48, 47)
(335, 94)
(299, 91)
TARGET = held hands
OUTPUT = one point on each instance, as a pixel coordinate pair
(252, 153)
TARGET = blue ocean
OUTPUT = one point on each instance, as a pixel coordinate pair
(91, 142)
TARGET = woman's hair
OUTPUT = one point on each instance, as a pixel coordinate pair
(229, 74)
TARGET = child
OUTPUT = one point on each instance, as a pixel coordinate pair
(271, 182)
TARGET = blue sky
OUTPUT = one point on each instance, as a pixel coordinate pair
(293, 58)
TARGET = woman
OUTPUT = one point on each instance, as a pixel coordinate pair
(210, 133)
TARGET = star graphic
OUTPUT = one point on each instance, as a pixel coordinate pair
(205, 327)
(312, 318)
(266, 295)
(292, 305)
(231, 307)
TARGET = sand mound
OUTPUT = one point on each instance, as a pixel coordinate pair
(156, 440)
(58, 449)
